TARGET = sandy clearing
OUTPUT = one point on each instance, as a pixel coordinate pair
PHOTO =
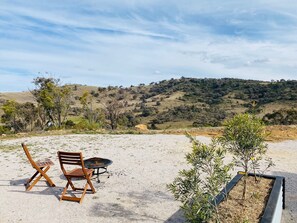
(135, 192)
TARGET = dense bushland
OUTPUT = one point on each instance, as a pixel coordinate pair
(200, 102)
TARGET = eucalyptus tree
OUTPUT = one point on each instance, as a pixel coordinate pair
(53, 100)
(19, 117)
(91, 114)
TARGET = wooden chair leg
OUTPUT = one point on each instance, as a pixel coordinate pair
(78, 199)
(69, 198)
(71, 184)
(50, 182)
(64, 191)
(29, 187)
(29, 180)
(42, 173)
(91, 185)
(83, 194)
(34, 182)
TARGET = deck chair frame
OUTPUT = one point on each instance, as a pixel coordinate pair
(75, 158)
(41, 169)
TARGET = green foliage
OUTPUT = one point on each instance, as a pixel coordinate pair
(113, 111)
(148, 111)
(212, 91)
(281, 117)
(19, 117)
(93, 115)
(201, 117)
(84, 124)
(218, 96)
(3, 129)
(54, 99)
(244, 137)
(202, 102)
(69, 124)
(128, 119)
(197, 187)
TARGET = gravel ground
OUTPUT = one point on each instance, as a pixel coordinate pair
(136, 190)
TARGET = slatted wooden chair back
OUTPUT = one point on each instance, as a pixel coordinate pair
(74, 159)
(71, 158)
(41, 168)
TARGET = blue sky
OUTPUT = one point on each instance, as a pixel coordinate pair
(129, 42)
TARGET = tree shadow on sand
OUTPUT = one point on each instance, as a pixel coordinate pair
(114, 210)
(177, 217)
(138, 199)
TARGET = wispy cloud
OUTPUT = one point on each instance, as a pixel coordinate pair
(132, 42)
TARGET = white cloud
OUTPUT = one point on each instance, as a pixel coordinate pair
(145, 41)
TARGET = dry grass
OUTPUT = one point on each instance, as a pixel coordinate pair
(282, 132)
(8, 148)
(274, 106)
(275, 133)
(20, 97)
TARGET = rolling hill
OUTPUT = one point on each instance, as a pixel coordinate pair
(190, 102)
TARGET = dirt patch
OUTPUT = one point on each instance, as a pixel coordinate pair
(275, 133)
(235, 209)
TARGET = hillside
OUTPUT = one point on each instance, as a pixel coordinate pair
(190, 102)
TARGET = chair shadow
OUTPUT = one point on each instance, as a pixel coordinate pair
(62, 177)
(116, 210)
(55, 191)
(17, 182)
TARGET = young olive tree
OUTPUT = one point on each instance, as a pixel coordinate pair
(198, 186)
(244, 137)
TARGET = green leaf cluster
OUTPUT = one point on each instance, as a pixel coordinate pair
(244, 136)
(198, 186)
(53, 100)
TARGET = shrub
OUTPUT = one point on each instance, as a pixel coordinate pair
(244, 137)
(197, 187)
(4, 129)
(69, 124)
(281, 117)
(86, 125)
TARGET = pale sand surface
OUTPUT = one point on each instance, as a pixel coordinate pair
(136, 190)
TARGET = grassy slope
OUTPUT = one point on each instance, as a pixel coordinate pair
(171, 93)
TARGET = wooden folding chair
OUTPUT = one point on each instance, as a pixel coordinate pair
(41, 167)
(70, 158)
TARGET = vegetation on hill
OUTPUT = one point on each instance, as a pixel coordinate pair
(187, 102)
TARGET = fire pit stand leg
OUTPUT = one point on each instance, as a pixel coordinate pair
(98, 180)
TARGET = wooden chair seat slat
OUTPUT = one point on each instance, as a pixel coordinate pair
(44, 163)
(78, 172)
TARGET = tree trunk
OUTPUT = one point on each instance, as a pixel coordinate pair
(245, 179)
